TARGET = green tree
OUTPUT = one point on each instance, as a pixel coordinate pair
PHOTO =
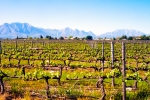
(89, 37)
(130, 38)
(124, 37)
(41, 37)
(76, 38)
(17, 37)
(144, 37)
(49, 37)
(70, 37)
(114, 38)
(61, 38)
(30, 38)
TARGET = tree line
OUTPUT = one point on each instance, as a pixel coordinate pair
(89, 37)
(143, 37)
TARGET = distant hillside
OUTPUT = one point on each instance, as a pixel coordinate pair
(24, 29)
(121, 32)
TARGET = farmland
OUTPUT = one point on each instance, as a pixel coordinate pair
(83, 70)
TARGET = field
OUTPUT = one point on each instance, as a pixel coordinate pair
(74, 70)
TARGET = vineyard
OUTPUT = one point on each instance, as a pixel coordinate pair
(74, 70)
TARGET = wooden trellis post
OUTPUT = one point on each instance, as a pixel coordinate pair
(112, 62)
(100, 82)
(123, 72)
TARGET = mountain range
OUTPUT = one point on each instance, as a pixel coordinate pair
(13, 30)
(24, 29)
(121, 32)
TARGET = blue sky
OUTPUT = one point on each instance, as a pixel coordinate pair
(98, 16)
